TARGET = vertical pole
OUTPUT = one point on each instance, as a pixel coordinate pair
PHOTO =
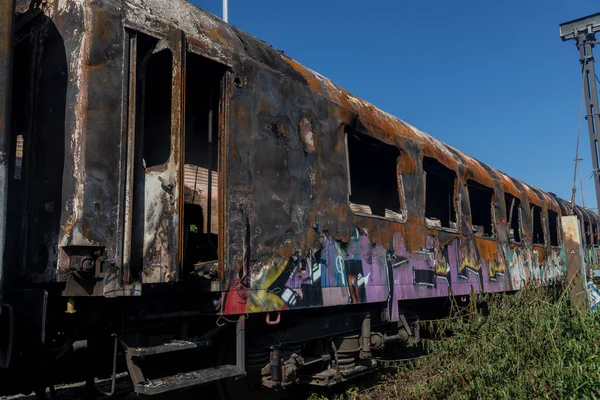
(585, 45)
(7, 15)
(225, 11)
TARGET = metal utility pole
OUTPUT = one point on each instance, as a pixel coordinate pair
(225, 11)
(583, 31)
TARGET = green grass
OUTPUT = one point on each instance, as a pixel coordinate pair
(532, 344)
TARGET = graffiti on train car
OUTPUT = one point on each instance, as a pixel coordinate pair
(361, 271)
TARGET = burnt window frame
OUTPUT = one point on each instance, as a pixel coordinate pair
(532, 207)
(492, 210)
(403, 212)
(557, 230)
(456, 197)
(509, 218)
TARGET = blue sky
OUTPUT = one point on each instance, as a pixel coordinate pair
(491, 78)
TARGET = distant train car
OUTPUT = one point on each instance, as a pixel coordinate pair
(184, 196)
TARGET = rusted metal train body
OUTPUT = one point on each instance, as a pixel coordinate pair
(163, 168)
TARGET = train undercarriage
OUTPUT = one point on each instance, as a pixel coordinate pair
(166, 351)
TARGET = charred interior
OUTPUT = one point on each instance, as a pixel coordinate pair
(155, 107)
(553, 227)
(201, 165)
(481, 205)
(513, 211)
(373, 176)
(439, 194)
(537, 230)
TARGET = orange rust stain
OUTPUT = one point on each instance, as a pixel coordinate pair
(68, 227)
(215, 34)
(413, 233)
(541, 255)
(312, 80)
(407, 164)
(487, 249)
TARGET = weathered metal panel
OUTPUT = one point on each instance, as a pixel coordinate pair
(74, 24)
(293, 240)
(93, 36)
(288, 237)
(576, 270)
(7, 15)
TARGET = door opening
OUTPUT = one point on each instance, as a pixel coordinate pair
(155, 208)
(202, 165)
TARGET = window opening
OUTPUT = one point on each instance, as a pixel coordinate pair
(157, 109)
(201, 163)
(373, 169)
(537, 231)
(480, 202)
(18, 157)
(439, 194)
(595, 234)
(513, 205)
(553, 226)
(588, 234)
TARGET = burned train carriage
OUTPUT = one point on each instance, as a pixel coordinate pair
(176, 186)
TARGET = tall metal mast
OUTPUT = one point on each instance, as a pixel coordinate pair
(583, 31)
